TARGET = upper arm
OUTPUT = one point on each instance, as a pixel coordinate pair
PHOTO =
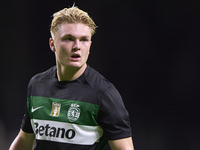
(23, 141)
(113, 116)
(121, 144)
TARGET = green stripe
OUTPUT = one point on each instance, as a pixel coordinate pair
(88, 111)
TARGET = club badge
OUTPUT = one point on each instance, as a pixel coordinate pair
(73, 112)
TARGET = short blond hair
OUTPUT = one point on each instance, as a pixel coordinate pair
(71, 15)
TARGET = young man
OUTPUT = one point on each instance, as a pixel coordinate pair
(71, 106)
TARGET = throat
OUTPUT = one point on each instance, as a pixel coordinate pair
(69, 73)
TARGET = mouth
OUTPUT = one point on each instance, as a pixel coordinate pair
(75, 56)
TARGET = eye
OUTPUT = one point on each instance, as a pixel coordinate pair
(69, 39)
(84, 39)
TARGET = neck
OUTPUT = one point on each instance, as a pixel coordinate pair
(69, 73)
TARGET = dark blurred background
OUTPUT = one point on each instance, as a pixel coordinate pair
(148, 49)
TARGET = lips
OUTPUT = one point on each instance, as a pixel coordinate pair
(75, 57)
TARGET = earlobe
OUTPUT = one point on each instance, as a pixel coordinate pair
(52, 45)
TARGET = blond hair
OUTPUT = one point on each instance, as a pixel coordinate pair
(71, 15)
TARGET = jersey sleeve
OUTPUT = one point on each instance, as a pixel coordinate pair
(26, 123)
(113, 116)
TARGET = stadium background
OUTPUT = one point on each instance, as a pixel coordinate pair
(148, 49)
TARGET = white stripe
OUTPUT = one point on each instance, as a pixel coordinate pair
(73, 133)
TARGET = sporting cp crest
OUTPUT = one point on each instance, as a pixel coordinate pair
(73, 112)
(55, 111)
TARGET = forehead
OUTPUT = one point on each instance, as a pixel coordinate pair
(74, 29)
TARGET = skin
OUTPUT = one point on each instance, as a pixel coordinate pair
(23, 141)
(121, 144)
(70, 41)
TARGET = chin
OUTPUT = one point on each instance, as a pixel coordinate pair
(77, 65)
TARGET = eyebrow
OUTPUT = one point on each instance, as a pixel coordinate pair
(70, 35)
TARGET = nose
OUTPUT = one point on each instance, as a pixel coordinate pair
(76, 45)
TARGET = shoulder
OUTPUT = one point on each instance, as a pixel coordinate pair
(96, 80)
(43, 75)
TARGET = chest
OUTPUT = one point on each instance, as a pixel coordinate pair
(71, 103)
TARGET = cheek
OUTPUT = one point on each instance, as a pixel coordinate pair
(87, 52)
(88, 47)
(62, 54)
(86, 55)
(64, 49)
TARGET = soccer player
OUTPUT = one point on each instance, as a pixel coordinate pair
(71, 106)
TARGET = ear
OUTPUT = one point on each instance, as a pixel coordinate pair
(52, 45)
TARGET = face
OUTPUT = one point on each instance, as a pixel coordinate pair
(71, 44)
